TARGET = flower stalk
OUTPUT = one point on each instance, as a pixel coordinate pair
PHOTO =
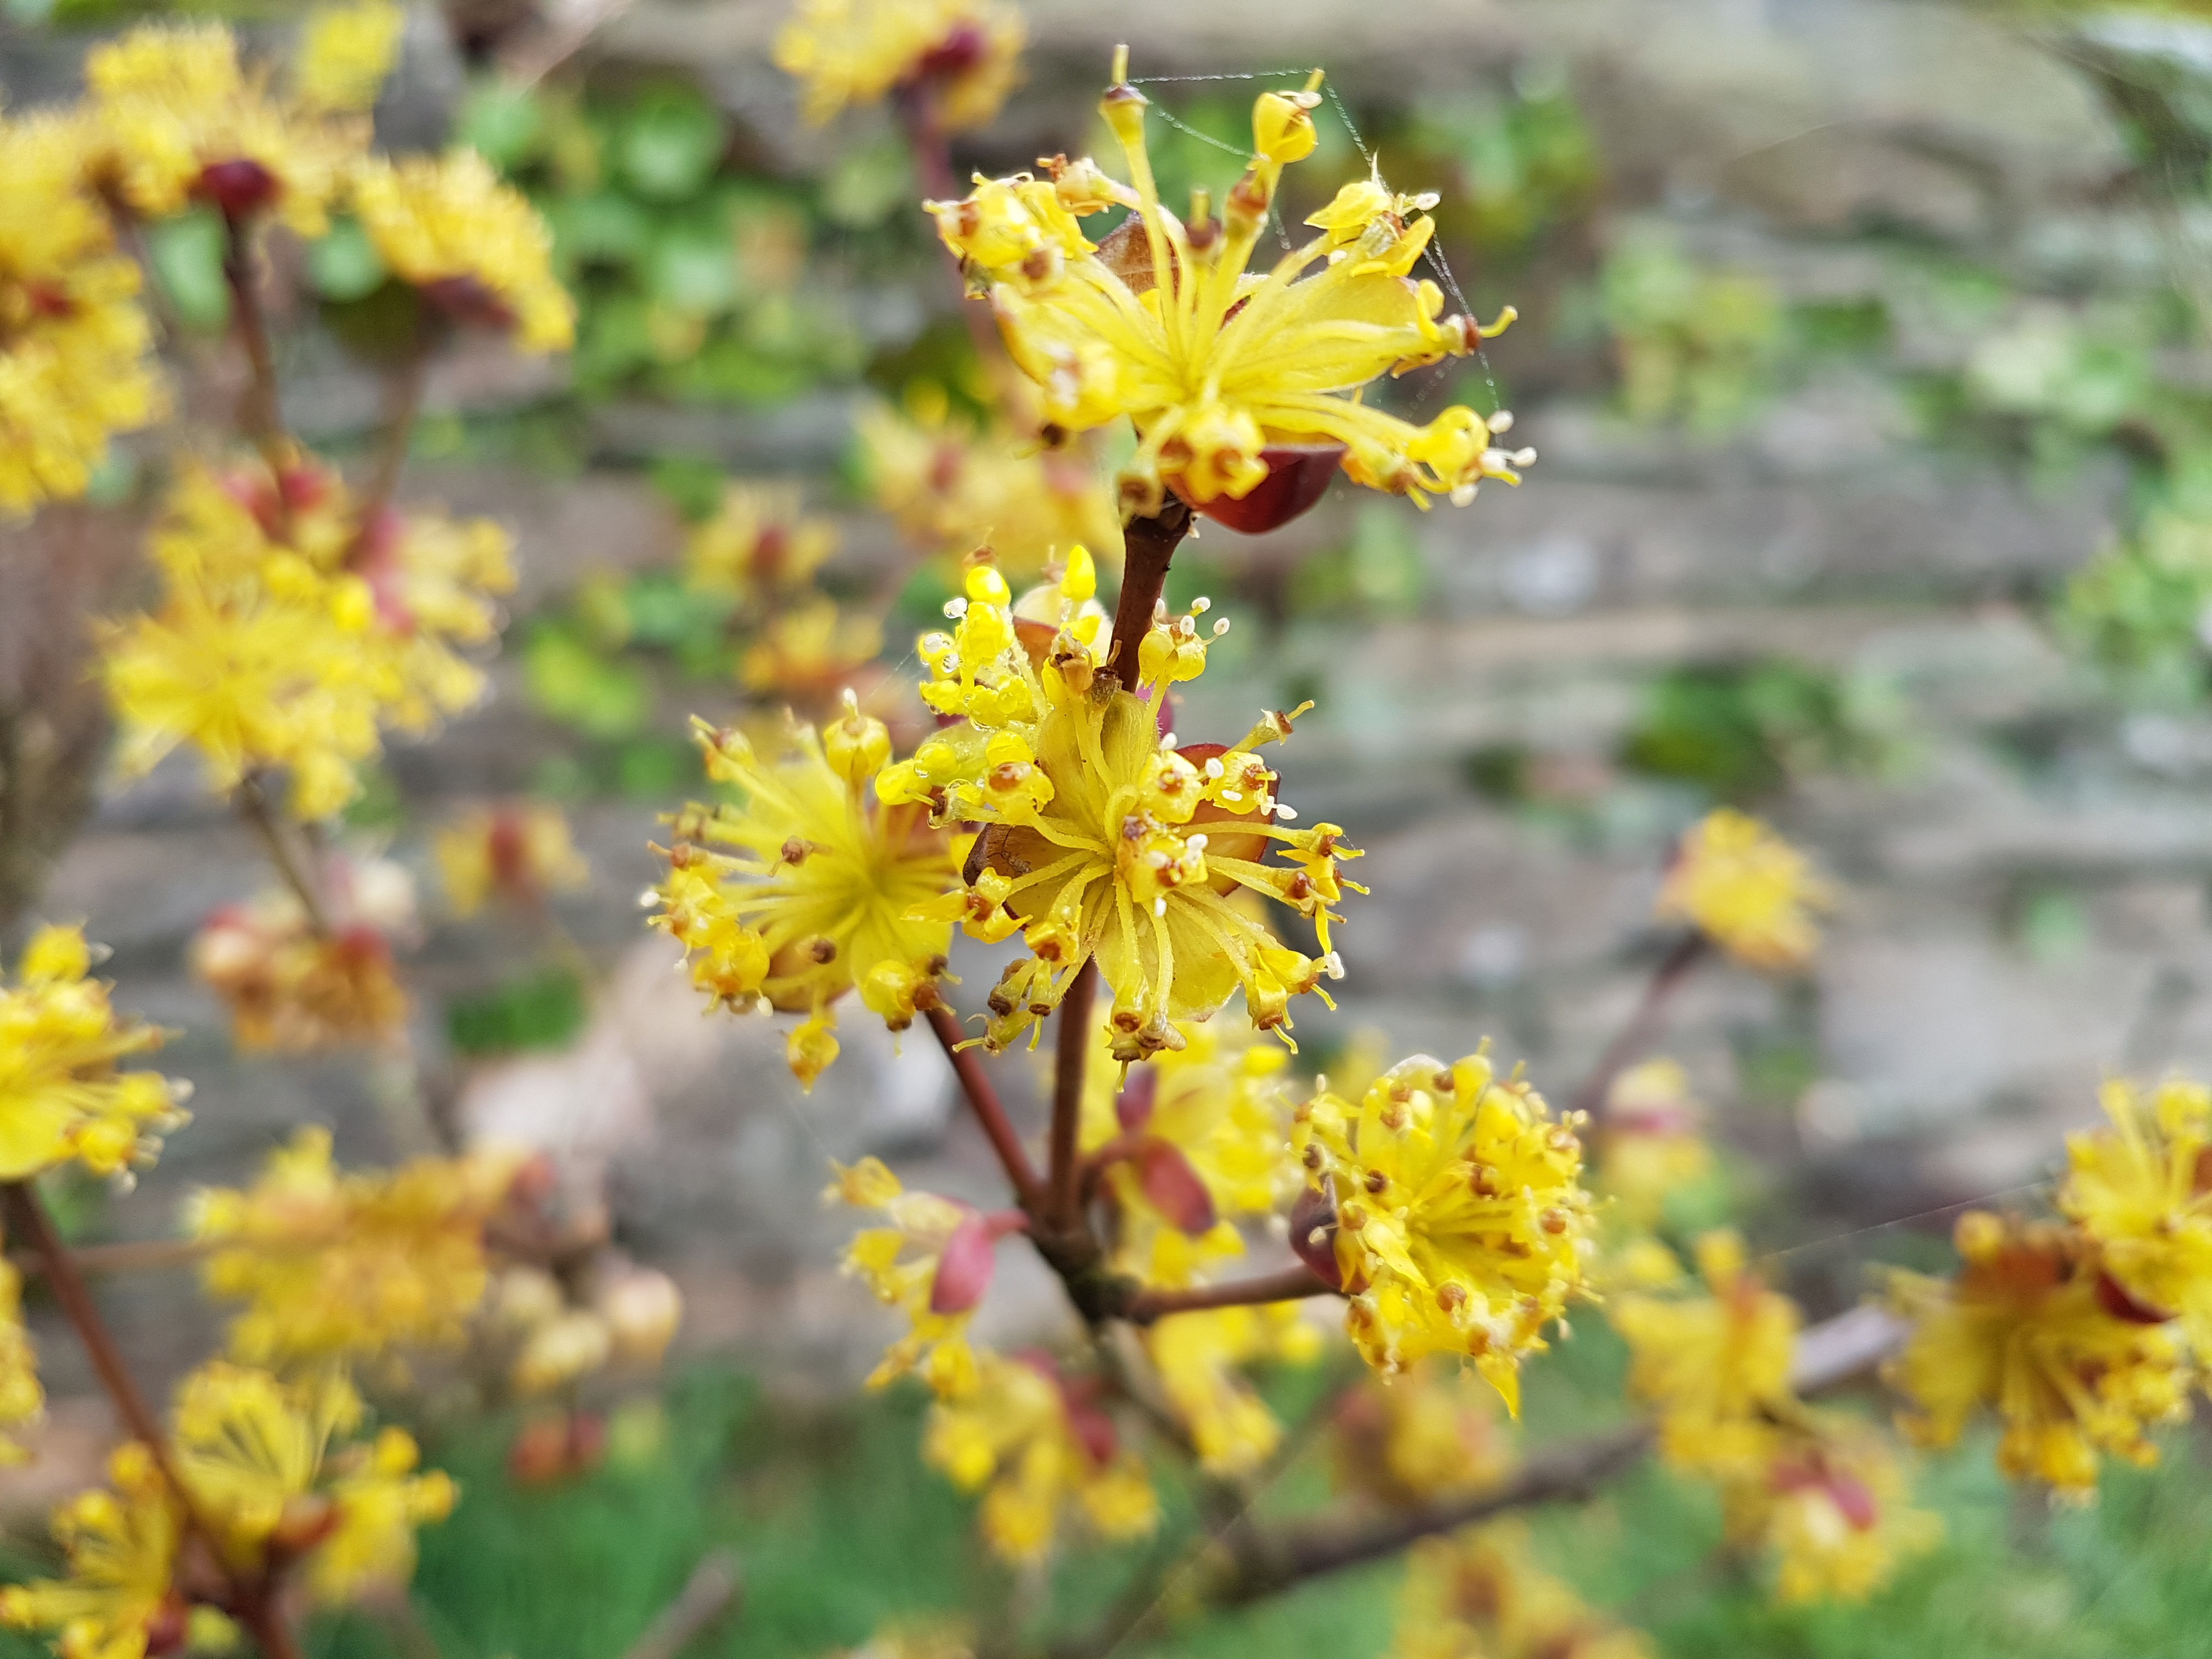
(1643, 1025)
(1150, 543)
(1071, 1060)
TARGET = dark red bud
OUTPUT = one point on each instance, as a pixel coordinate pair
(2117, 1300)
(1172, 1187)
(963, 1271)
(1313, 1235)
(1298, 476)
(239, 188)
(1140, 1090)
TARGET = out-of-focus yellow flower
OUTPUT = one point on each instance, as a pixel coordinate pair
(75, 348)
(470, 243)
(1102, 840)
(1034, 1447)
(1197, 1356)
(816, 896)
(927, 1640)
(1220, 1104)
(1747, 890)
(381, 1504)
(1648, 1145)
(962, 55)
(294, 991)
(2028, 1327)
(516, 851)
(1715, 1367)
(572, 1344)
(1832, 1511)
(952, 487)
(62, 1098)
(118, 1599)
(436, 582)
(1212, 366)
(759, 543)
(805, 653)
(2142, 1189)
(333, 1265)
(1431, 1432)
(23, 1401)
(932, 1262)
(345, 54)
(1461, 1226)
(1480, 1595)
(175, 119)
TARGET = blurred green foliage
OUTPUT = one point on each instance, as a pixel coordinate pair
(2143, 605)
(544, 1009)
(1739, 731)
(1694, 344)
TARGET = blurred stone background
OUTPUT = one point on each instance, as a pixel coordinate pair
(2023, 873)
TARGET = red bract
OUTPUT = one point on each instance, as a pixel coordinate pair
(1298, 476)
(1172, 1187)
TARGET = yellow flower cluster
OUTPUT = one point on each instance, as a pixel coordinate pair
(288, 630)
(1748, 890)
(1102, 839)
(904, 1263)
(2032, 1325)
(271, 1469)
(963, 55)
(294, 990)
(471, 245)
(821, 892)
(1214, 367)
(1461, 1226)
(62, 1098)
(1198, 1357)
(1035, 1446)
(22, 1400)
(953, 487)
(516, 851)
(1480, 1593)
(76, 363)
(2142, 1190)
(1823, 1496)
(346, 53)
(759, 545)
(1428, 1433)
(808, 652)
(332, 1265)
(1648, 1145)
(558, 1333)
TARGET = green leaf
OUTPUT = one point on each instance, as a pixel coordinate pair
(571, 682)
(185, 253)
(605, 227)
(503, 123)
(867, 185)
(691, 266)
(542, 1011)
(344, 263)
(668, 147)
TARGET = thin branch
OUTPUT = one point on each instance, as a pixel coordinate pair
(259, 415)
(1290, 1284)
(403, 394)
(989, 1111)
(266, 1625)
(932, 159)
(1643, 1025)
(1071, 1060)
(135, 1255)
(1149, 545)
(712, 1589)
(253, 806)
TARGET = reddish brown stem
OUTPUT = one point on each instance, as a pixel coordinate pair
(136, 1255)
(1290, 1284)
(1071, 1058)
(932, 159)
(260, 416)
(267, 1627)
(254, 807)
(989, 1111)
(402, 402)
(27, 1214)
(1149, 546)
(1643, 1025)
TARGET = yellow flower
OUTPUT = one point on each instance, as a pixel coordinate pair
(932, 1263)
(1213, 366)
(381, 1504)
(806, 652)
(1478, 1594)
(1197, 1356)
(75, 348)
(758, 543)
(1461, 1227)
(471, 243)
(436, 582)
(2028, 1326)
(952, 487)
(331, 1265)
(1833, 1512)
(1747, 890)
(176, 120)
(345, 54)
(1648, 1145)
(518, 851)
(1715, 1368)
(1101, 838)
(23, 1401)
(291, 990)
(118, 1601)
(916, 1639)
(1429, 1433)
(963, 54)
(817, 895)
(61, 1097)
(1038, 1445)
(2142, 1189)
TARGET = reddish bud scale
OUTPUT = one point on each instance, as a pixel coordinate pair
(2116, 1299)
(965, 1266)
(237, 188)
(1173, 1187)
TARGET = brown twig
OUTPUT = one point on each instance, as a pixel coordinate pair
(266, 1625)
(713, 1586)
(136, 1255)
(402, 402)
(990, 1112)
(932, 159)
(1643, 1025)
(260, 416)
(1290, 1284)
(1071, 1058)
(1149, 546)
(253, 806)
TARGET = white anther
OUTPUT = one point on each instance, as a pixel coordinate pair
(1287, 814)
(1525, 457)
(1196, 843)
(1158, 859)
(1214, 769)
(1167, 740)
(955, 609)
(1332, 964)
(1231, 795)
(1201, 605)
(646, 900)
(1220, 626)
(1462, 495)
(1501, 422)
(1495, 460)
(1159, 907)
